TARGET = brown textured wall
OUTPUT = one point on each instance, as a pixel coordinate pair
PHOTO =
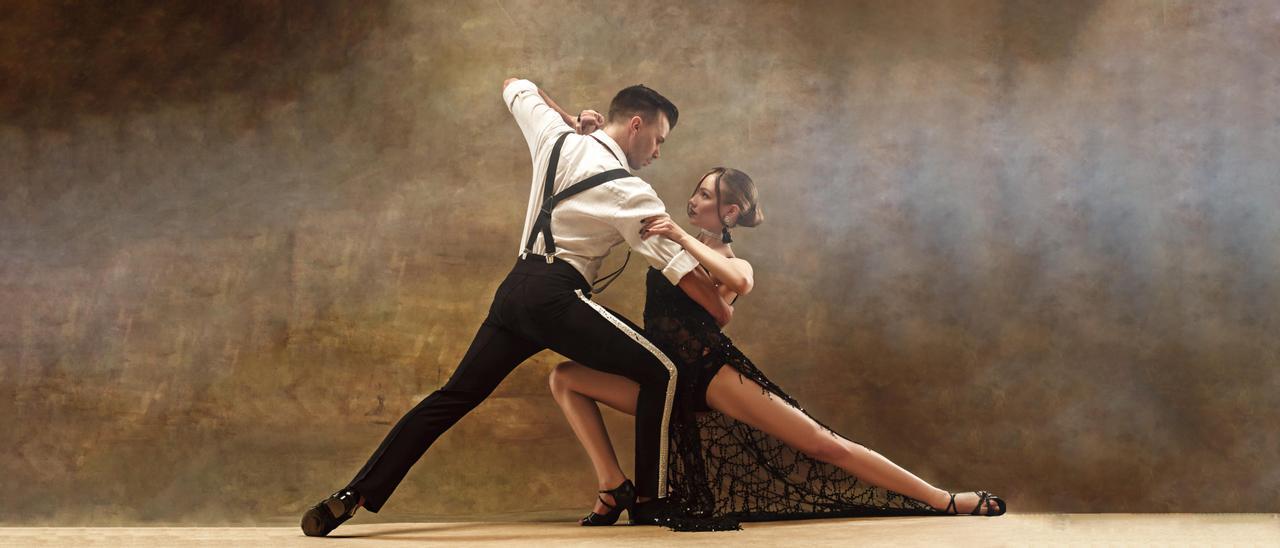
(1023, 246)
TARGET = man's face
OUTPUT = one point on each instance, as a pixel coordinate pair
(646, 139)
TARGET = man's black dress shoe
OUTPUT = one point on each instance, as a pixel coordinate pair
(651, 512)
(329, 513)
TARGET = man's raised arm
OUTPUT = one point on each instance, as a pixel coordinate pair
(585, 122)
(538, 121)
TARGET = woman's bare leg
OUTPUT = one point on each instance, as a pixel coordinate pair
(744, 400)
(576, 389)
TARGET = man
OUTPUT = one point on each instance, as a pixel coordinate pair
(584, 201)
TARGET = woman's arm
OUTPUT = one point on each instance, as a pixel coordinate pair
(699, 287)
(584, 123)
(734, 274)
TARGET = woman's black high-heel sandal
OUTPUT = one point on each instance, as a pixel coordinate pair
(979, 509)
(624, 498)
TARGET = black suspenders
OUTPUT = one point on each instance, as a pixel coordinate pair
(549, 201)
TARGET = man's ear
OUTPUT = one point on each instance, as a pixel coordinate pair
(636, 123)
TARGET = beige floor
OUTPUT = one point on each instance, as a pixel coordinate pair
(1009, 530)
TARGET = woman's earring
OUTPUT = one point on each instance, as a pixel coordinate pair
(726, 220)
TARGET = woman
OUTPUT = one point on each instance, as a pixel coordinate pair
(742, 449)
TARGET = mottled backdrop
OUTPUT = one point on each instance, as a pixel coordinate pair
(1029, 247)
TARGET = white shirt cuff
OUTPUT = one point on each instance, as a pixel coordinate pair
(680, 265)
(514, 88)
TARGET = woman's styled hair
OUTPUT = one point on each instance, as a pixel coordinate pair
(739, 190)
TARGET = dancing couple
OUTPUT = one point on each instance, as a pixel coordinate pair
(716, 442)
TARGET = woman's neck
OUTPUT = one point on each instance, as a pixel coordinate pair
(712, 240)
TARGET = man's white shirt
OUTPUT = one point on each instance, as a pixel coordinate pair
(588, 225)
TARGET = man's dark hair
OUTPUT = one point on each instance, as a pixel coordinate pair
(642, 101)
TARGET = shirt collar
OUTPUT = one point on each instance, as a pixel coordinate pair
(617, 150)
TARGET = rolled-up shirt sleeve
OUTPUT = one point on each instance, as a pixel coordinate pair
(662, 253)
(539, 122)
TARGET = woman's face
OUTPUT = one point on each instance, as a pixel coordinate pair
(702, 205)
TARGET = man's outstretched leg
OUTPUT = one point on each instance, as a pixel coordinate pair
(494, 352)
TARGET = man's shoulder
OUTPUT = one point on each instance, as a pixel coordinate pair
(632, 185)
(634, 194)
(592, 159)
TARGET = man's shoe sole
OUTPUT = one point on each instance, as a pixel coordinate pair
(313, 525)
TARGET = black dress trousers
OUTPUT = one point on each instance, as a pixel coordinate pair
(538, 306)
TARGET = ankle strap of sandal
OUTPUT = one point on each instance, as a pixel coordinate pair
(610, 506)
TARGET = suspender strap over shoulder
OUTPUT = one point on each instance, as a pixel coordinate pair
(542, 225)
(550, 201)
(548, 187)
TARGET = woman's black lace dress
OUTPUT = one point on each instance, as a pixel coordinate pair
(722, 471)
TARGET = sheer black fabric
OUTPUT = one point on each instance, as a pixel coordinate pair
(722, 471)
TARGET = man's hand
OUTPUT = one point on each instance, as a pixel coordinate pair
(587, 122)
